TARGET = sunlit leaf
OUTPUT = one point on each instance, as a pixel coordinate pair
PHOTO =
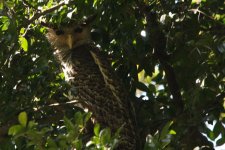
(49, 4)
(97, 129)
(22, 118)
(1, 4)
(14, 130)
(23, 43)
(5, 23)
(22, 30)
(196, 1)
(172, 132)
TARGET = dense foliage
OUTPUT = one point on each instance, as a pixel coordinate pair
(170, 55)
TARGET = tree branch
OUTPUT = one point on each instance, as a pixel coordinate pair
(172, 83)
(158, 42)
(37, 15)
(26, 3)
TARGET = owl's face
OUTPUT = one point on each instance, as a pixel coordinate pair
(69, 37)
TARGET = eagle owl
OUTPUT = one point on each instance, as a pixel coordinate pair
(93, 81)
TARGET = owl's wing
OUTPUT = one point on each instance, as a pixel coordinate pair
(113, 82)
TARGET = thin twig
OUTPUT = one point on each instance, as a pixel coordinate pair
(203, 13)
(37, 15)
(26, 3)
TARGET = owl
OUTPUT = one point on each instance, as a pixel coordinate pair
(93, 81)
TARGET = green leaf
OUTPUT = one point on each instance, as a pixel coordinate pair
(23, 43)
(78, 144)
(210, 134)
(1, 4)
(63, 144)
(31, 124)
(97, 129)
(79, 119)
(10, 4)
(14, 130)
(61, 76)
(172, 132)
(165, 130)
(49, 4)
(69, 125)
(87, 117)
(5, 21)
(22, 118)
(220, 141)
(95, 140)
(217, 129)
(105, 136)
(141, 86)
(51, 144)
(22, 30)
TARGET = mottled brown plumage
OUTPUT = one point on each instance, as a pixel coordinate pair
(93, 81)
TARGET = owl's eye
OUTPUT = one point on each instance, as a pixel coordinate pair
(78, 30)
(59, 32)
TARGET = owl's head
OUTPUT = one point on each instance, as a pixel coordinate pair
(69, 36)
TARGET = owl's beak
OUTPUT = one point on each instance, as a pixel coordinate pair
(70, 41)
